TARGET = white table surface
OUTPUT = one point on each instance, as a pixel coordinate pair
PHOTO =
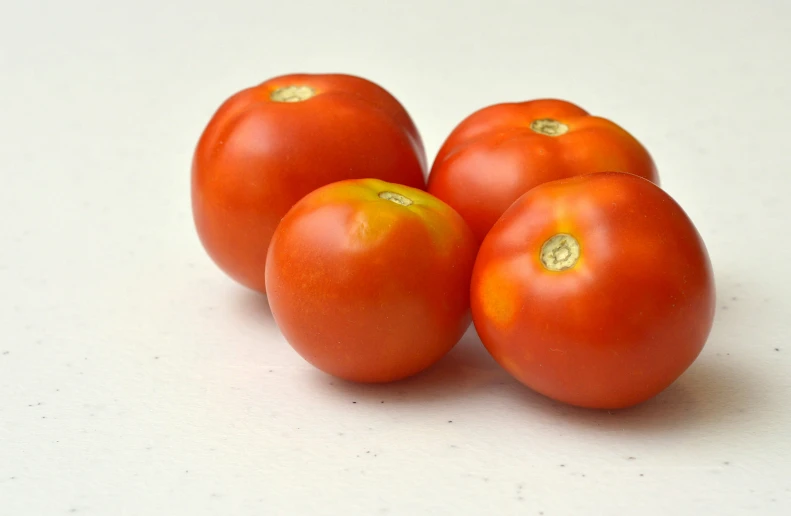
(136, 379)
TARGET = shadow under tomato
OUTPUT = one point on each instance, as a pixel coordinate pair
(253, 305)
(709, 394)
(467, 367)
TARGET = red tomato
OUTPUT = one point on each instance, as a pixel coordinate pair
(269, 145)
(369, 281)
(502, 151)
(595, 290)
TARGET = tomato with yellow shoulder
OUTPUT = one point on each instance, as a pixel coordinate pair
(595, 290)
(369, 280)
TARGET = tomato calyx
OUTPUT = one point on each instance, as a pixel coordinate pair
(560, 252)
(292, 94)
(549, 127)
(396, 198)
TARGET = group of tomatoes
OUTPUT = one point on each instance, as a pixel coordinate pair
(542, 224)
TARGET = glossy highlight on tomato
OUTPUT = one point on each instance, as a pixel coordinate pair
(500, 152)
(369, 280)
(267, 146)
(595, 290)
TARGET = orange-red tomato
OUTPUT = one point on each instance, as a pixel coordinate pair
(269, 145)
(595, 290)
(369, 281)
(502, 151)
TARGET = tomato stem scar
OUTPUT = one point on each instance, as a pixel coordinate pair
(560, 252)
(549, 127)
(396, 198)
(292, 94)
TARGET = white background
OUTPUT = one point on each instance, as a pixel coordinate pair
(135, 378)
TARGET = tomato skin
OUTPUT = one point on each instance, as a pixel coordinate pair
(366, 289)
(620, 325)
(494, 156)
(257, 157)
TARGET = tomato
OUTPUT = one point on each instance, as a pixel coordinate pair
(596, 290)
(369, 280)
(267, 146)
(502, 151)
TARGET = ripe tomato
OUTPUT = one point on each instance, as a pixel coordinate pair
(369, 281)
(269, 145)
(595, 290)
(502, 151)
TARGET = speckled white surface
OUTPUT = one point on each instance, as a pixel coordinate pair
(136, 379)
